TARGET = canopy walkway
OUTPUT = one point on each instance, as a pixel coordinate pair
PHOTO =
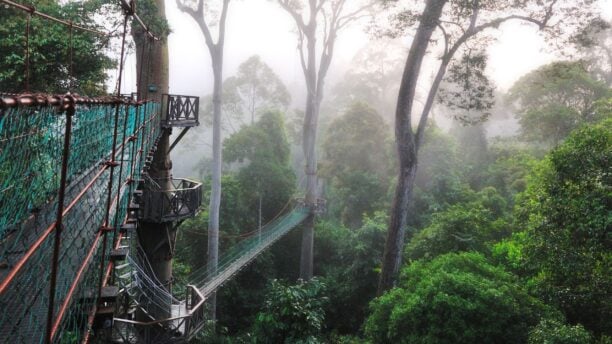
(187, 316)
(109, 142)
(74, 194)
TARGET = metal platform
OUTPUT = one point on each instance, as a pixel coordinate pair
(179, 111)
(178, 202)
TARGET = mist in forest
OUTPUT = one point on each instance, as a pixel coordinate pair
(262, 29)
(361, 171)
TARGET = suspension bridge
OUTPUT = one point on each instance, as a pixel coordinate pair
(76, 197)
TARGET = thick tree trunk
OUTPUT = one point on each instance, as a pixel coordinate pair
(215, 196)
(406, 145)
(310, 133)
(309, 139)
(157, 239)
(151, 58)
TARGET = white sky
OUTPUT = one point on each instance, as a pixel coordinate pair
(261, 27)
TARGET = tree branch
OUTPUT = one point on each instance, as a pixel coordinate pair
(198, 16)
(471, 32)
(222, 21)
(299, 21)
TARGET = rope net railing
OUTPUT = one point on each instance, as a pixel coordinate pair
(208, 279)
(186, 317)
(32, 132)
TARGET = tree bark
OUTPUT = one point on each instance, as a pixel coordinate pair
(216, 55)
(156, 239)
(151, 61)
(309, 139)
(407, 145)
(215, 197)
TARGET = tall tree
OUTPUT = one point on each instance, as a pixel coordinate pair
(156, 239)
(373, 77)
(356, 163)
(253, 90)
(326, 18)
(267, 180)
(459, 22)
(555, 99)
(49, 64)
(151, 55)
(566, 210)
(216, 55)
(594, 46)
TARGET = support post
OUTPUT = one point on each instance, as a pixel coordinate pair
(112, 163)
(58, 223)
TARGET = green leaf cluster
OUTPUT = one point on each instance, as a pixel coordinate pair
(566, 210)
(292, 313)
(49, 50)
(455, 298)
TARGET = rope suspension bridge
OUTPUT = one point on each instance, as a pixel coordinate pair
(75, 193)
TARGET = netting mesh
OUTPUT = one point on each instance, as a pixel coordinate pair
(31, 141)
(30, 147)
(208, 279)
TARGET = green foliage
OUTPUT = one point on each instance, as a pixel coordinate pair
(554, 332)
(555, 99)
(50, 50)
(233, 221)
(466, 90)
(439, 181)
(356, 164)
(566, 210)
(148, 11)
(509, 168)
(266, 174)
(462, 227)
(254, 89)
(292, 313)
(510, 253)
(455, 298)
(350, 260)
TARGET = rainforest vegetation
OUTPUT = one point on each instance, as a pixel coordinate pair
(457, 211)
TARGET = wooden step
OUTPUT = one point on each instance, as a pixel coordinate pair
(127, 228)
(109, 294)
(119, 254)
(104, 317)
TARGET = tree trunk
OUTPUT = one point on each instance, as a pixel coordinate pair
(309, 140)
(151, 58)
(406, 145)
(215, 197)
(156, 239)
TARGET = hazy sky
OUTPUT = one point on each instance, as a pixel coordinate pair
(261, 27)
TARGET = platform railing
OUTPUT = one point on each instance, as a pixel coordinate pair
(180, 111)
(178, 202)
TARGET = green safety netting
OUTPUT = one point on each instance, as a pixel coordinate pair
(31, 142)
(208, 279)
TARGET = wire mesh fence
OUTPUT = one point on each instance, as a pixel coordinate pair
(31, 138)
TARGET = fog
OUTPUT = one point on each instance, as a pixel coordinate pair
(260, 27)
